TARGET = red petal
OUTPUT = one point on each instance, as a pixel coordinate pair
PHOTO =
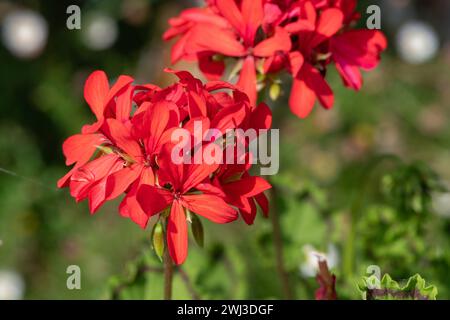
(350, 75)
(219, 85)
(177, 234)
(229, 118)
(214, 39)
(64, 181)
(97, 196)
(280, 41)
(229, 10)
(211, 207)
(179, 49)
(261, 117)
(130, 207)
(92, 128)
(152, 199)
(272, 13)
(348, 8)
(323, 91)
(204, 15)
(296, 61)
(263, 203)
(196, 173)
(118, 182)
(169, 172)
(302, 99)
(213, 70)
(197, 105)
(247, 79)
(121, 135)
(360, 48)
(308, 86)
(300, 25)
(97, 193)
(175, 31)
(96, 91)
(124, 104)
(190, 126)
(330, 21)
(210, 189)
(253, 14)
(84, 177)
(161, 115)
(147, 176)
(249, 215)
(121, 83)
(80, 147)
(151, 121)
(248, 186)
(308, 12)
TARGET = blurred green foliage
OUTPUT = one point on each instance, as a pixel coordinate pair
(337, 184)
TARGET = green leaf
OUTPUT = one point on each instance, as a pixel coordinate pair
(388, 289)
(197, 230)
(158, 239)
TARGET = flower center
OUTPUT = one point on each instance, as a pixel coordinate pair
(150, 161)
(177, 195)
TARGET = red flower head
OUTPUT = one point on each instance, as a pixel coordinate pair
(129, 150)
(229, 29)
(301, 37)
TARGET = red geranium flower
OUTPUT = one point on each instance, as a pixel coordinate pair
(183, 181)
(232, 33)
(128, 151)
(301, 37)
(242, 190)
(353, 50)
(79, 148)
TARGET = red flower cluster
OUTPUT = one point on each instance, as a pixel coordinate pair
(128, 150)
(301, 37)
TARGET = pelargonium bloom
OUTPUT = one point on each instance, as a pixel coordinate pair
(301, 37)
(129, 151)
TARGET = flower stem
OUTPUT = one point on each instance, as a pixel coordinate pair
(278, 246)
(168, 275)
(278, 121)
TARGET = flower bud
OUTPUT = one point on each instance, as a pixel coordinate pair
(158, 239)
